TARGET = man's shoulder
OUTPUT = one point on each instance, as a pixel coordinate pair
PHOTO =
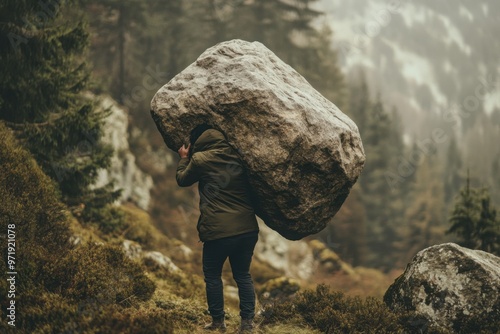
(198, 157)
(217, 156)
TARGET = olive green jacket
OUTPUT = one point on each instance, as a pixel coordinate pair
(225, 205)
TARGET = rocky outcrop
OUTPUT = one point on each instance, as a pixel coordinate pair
(293, 258)
(135, 184)
(160, 260)
(299, 259)
(181, 252)
(134, 251)
(328, 260)
(301, 152)
(453, 287)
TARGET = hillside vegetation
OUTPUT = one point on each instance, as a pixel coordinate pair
(77, 279)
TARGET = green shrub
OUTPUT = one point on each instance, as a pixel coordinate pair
(278, 289)
(333, 312)
(109, 219)
(47, 312)
(30, 201)
(185, 314)
(140, 320)
(51, 313)
(29, 198)
(101, 271)
(62, 289)
(287, 329)
(182, 296)
(139, 228)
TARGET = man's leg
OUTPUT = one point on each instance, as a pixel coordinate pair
(240, 258)
(214, 256)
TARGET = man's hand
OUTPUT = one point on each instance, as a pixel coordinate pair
(184, 151)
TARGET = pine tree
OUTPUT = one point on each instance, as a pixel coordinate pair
(44, 77)
(326, 75)
(495, 176)
(116, 25)
(453, 165)
(464, 216)
(266, 21)
(474, 220)
(359, 102)
(423, 218)
(488, 226)
(346, 234)
(383, 144)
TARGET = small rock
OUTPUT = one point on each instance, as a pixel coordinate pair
(328, 260)
(75, 240)
(132, 249)
(161, 260)
(182, 252)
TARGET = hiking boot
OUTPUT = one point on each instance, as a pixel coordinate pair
(247, 326)
(216, 325)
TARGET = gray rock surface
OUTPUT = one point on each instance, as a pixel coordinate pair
(293, 258)
(301, 259)
(161, 260)
(134, 251)
(451, 286)
(301, 152)
(134, 183)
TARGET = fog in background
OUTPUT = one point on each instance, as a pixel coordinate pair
(427, 58)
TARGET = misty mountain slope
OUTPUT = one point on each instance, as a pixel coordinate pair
(422, 56)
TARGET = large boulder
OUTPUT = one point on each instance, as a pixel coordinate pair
(301, 152)
(453, 287)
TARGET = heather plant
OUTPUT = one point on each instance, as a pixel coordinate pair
(332, 312)
(65, 288)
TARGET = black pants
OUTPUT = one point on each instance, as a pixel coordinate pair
(239, 249)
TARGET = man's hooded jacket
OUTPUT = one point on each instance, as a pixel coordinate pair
(225, 206)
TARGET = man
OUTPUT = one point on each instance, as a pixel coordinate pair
(227, 225)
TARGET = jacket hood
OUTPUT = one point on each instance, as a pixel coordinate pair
(209, 140)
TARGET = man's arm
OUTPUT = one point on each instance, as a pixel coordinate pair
(187, 170)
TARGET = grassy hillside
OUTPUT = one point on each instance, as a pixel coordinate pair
(74, 278)
(60, 287)
(77, 279)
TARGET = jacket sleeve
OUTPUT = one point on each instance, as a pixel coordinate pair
(188, 172)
